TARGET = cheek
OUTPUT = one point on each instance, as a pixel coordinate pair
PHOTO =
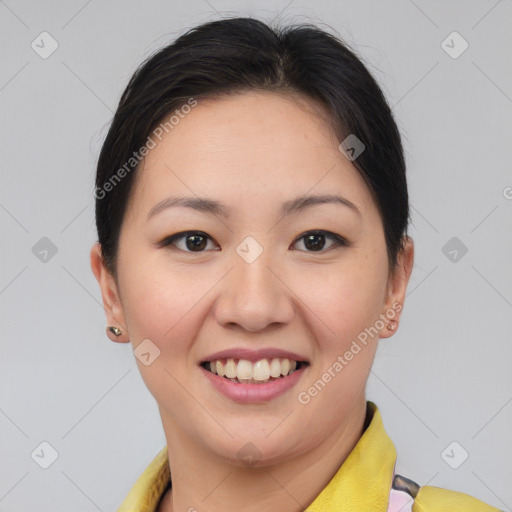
(345, 299)
(163, 307)
(342, 309)
(155, 295)
(158, 301)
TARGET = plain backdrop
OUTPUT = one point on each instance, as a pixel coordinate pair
(443, 383)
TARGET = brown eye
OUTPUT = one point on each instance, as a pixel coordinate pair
(195, 242)
(314, 241)
(188, 241)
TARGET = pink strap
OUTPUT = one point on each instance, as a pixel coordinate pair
(400, 501)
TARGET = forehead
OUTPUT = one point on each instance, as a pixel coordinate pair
(260, 144)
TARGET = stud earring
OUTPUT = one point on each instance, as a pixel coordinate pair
(114, 330)
(392, 325)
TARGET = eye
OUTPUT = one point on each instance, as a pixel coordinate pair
(197, 241)
(194, 241)
(314, 241)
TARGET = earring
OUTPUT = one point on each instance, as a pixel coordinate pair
(392, 325)
(114, 330)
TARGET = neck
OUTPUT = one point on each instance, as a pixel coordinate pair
(203, 482)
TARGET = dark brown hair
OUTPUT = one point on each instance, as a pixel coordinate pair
(239, 54)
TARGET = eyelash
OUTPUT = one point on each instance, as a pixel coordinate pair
(338, 240)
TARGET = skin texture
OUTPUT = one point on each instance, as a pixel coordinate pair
(252, 152)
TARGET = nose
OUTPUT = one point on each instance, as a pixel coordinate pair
(254, 297)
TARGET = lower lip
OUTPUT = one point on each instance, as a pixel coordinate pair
(254, 393)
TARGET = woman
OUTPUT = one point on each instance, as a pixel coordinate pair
(252, 211)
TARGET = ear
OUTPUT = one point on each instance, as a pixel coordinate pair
(109, 291)
(397, 286)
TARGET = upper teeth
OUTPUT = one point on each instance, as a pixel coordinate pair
(246, 370)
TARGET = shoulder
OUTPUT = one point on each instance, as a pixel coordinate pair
(435, 499)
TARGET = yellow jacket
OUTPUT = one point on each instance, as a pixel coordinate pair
(365, 482)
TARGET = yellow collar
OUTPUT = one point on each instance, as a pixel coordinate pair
(363, 481)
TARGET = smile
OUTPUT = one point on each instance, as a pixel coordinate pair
(258, 372)
(248, 382)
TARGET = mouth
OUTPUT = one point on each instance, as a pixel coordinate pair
(243, 371)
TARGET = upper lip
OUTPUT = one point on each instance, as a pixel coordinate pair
(254, 355)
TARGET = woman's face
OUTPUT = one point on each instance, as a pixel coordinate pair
(254, 278)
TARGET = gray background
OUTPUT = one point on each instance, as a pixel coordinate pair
(444, 377)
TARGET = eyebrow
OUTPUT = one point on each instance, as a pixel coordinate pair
(211, 206)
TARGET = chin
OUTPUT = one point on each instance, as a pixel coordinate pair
(258, 450)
